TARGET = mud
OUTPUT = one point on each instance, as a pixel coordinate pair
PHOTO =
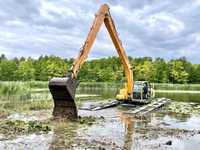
(110, 129)
(65, 109)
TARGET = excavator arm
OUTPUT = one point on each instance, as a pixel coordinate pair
(104, 16)
(63, 89)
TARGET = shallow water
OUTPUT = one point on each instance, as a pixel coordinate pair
(112, 129)
(33, 142)
(112, 92)
(150, 133)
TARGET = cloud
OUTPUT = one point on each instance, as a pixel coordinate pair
(167, 29)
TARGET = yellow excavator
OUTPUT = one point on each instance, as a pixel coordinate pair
(63, 89)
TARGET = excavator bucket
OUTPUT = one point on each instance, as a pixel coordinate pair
(63, 93)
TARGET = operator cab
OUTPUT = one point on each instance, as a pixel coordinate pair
(142, 90)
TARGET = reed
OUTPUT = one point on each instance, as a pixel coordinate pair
(166, 86)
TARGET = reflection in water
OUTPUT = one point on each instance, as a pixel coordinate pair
(131, 124)
(177, 121)
(64, 136)
(137, 129)
(129, 131)
(128, 140)
(133, 128)
(125, 131)
(106, 92)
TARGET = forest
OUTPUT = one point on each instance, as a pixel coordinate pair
(108, 69)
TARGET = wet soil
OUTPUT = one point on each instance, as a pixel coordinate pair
(108, 129)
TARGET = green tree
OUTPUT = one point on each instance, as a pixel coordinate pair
(194, 76)
(160, 71)
(144, 71)
(178, 73)
(2, 57)
(25, 70)
(56, 67)
(41, 68)
(100, 70)
(7, 70)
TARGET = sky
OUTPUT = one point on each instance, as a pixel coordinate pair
(155, 28)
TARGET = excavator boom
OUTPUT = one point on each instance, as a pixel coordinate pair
(63, 89)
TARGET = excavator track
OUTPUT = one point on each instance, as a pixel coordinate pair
(139, 110)
(63, 89)
(142, 111)
(110, 104)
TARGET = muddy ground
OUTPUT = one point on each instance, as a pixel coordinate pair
(104, 129)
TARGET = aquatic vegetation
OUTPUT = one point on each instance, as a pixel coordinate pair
(27, 106)
(38, 84)
(18, 96)
(184, 108)
(169, 86)
(87, 120)
(41, 104)
(18, 127)
(14, 88)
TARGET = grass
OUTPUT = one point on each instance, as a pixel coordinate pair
(18, 96)
(19, 106)
(100, 85)
(166, 86)
(14, 88)
(38, 84)
(19, 87)
(34, 95)
(157, 86)
(41, 105)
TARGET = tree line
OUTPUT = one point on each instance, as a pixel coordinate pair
(100, 70)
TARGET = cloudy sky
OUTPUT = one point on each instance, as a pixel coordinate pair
(156, 28)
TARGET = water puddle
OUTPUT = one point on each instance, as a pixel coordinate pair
(32, 116)
(33, 142)
(126, 132)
